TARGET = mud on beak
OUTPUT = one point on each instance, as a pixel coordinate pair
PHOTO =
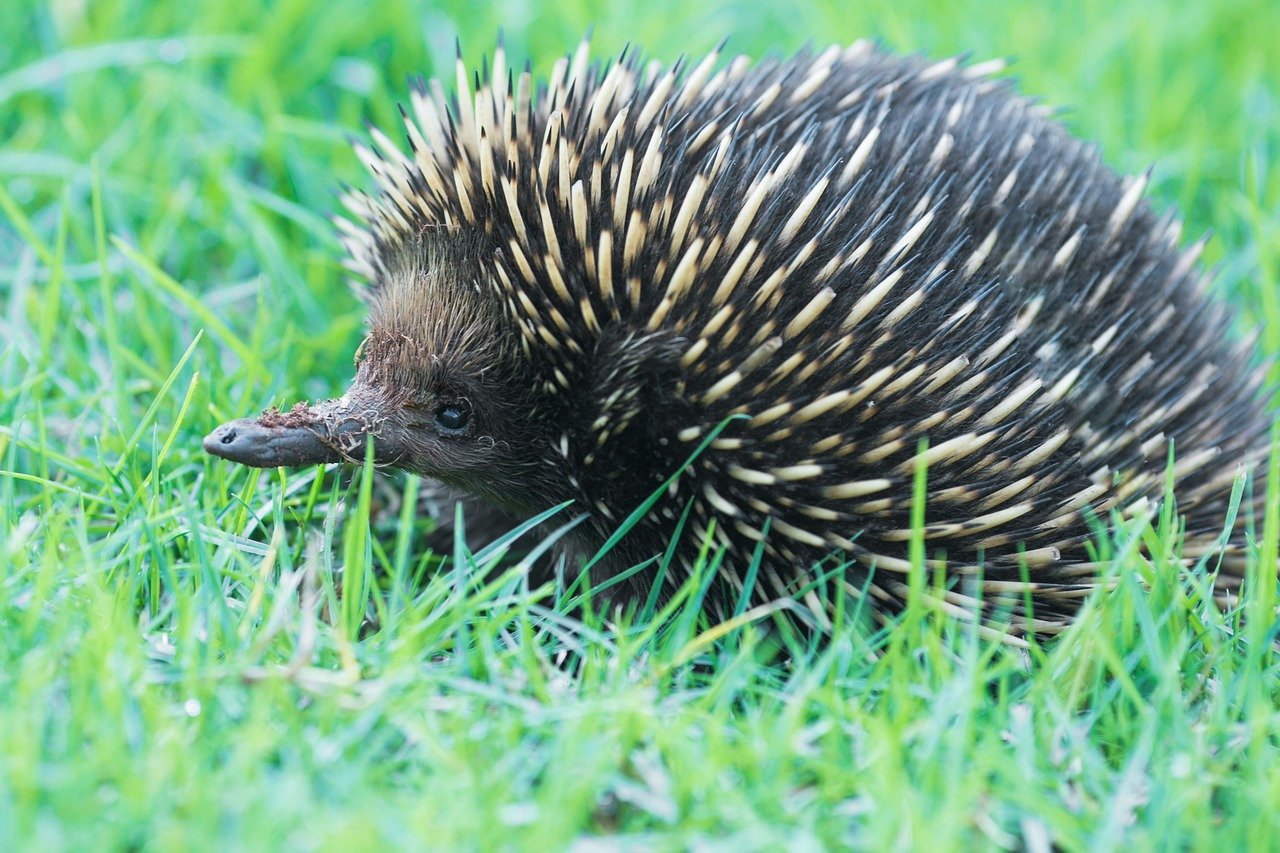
(305, 435)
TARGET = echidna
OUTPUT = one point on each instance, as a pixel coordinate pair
(877, 262)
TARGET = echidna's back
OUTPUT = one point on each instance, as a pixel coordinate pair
(1070, 300)
(1081, 290)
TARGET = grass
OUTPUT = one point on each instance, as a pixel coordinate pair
(196, 655)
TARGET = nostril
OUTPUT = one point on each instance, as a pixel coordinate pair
(228, 436)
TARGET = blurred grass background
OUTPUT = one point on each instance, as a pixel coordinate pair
(165, 262)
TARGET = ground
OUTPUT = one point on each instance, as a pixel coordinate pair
(194, 654)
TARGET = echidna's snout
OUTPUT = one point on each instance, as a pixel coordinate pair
(304, 435)
(248, 442)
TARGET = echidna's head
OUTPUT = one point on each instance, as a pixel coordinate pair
(440, 386)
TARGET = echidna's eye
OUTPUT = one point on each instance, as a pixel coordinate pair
(452, 418)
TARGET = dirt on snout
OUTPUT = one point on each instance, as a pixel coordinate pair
(300, 415)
